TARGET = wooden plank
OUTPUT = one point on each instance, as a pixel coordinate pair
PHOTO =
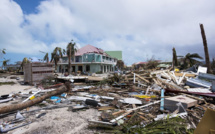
(106, 108)
(151, 116)
(187, 75)
(143, 118)
(119, 112)
(141, 78)
(140, 113)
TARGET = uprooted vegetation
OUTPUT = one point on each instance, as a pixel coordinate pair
(47, 81)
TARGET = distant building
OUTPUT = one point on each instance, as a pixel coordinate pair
(115, 54)
(13, 67)
(89, 59)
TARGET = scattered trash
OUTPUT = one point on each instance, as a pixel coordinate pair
(148, 101)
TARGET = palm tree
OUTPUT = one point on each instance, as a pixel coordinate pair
(4, 62)
(64, 52)
(207, 59)
(2, 52)
(24, 61)
(174, 58)
(71, 50)
(56, 55)
(190, 59)
(46, 57)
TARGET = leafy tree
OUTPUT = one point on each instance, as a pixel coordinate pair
(120, 64)
(70, 50)
(56, 55)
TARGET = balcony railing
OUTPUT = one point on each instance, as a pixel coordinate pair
(103, 61)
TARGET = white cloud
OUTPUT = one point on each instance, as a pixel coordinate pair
(140, 28)
(13, 36)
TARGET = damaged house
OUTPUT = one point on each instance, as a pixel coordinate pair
(89, 59)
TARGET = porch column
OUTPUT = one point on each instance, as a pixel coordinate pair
(76, 68)
(84, 68)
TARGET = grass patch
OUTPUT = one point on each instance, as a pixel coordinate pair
(7, 83)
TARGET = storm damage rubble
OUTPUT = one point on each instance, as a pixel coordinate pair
(149, 101)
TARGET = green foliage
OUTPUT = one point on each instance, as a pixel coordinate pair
(46, 57)
(4, 63)
(190, 60)
(175, 125)
(56, 55)
(24, 61)
(3, 51)
(7, 83)
(99, 72)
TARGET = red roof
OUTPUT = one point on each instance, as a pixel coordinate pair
(140, 63)
(89, 49)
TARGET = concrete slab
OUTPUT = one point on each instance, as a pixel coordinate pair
(171, 103)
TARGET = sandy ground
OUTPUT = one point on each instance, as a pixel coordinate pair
(60, 121)
(17, 87)
(55, 121)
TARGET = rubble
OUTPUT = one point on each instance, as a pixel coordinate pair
(150, 101)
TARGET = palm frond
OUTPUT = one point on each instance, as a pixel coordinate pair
(195, 55)
(46, 57)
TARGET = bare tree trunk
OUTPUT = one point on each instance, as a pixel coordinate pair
(173, 65)
(20, 106)
(69, 58)
(207, 59)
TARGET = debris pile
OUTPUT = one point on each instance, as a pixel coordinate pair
(150, 101)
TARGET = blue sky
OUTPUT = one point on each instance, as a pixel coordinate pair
(140, 28)
(28, 6)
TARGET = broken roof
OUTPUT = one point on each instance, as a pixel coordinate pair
(90, 49)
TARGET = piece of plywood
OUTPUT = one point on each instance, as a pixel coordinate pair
(207, 123)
